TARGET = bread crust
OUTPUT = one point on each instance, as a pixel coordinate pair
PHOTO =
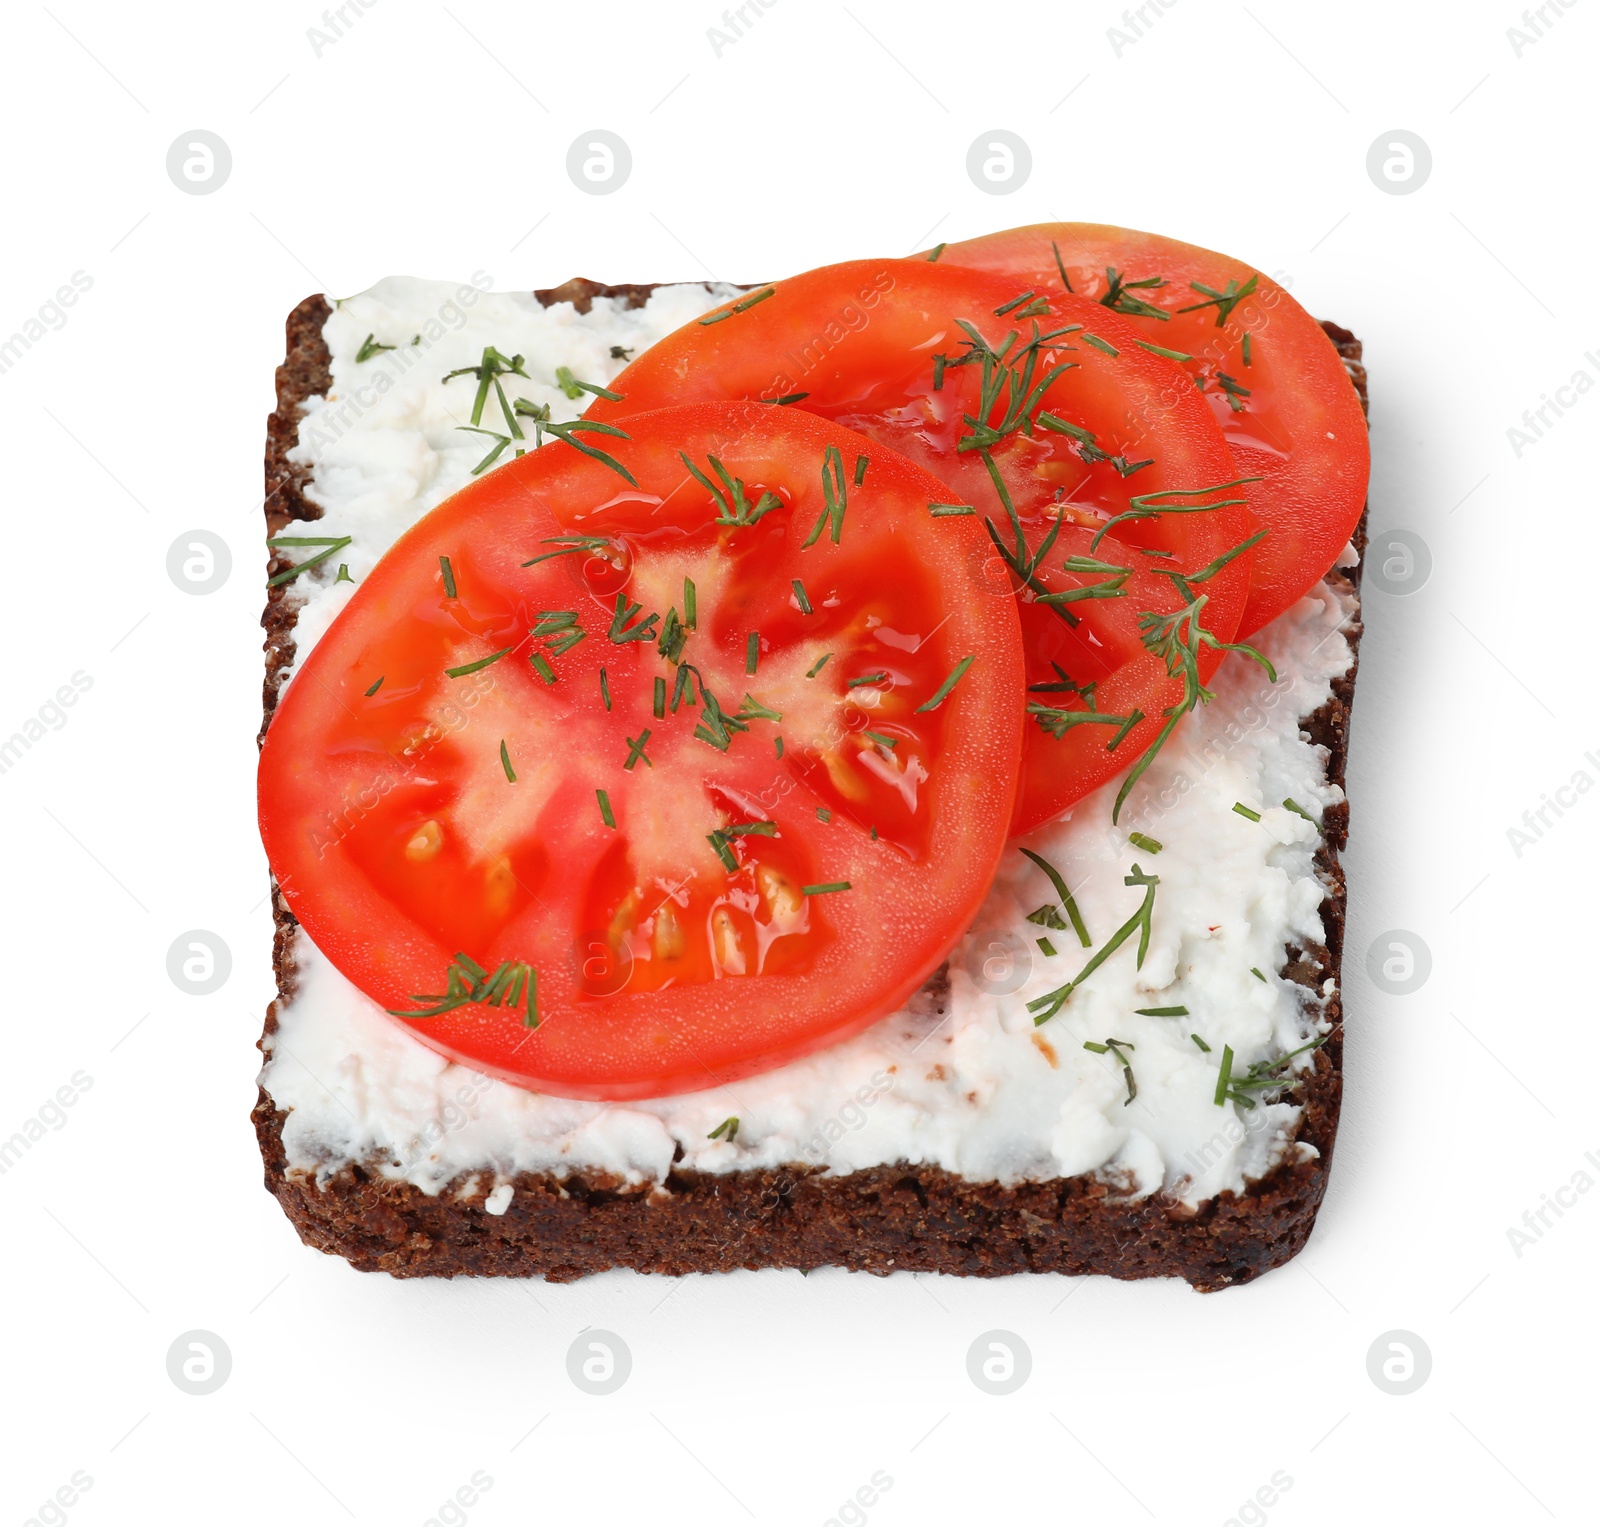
(884, 1219)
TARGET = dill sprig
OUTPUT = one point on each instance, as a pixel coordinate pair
(1144, 506)
(568, 435)
(1224, 301)
(575, 388)
(622, 612)
(568, 545)
(833, 498)
(1120, 299)
(636, 750)
(739, 307)
(488, 371)
(1018, 558)
(1046, 1007)
(1066, 898)
(331, 545)
(558, 630)
(1260, 1079)
(733, 503)
(1177, 639)
(1111, 581)
(1010, 386)
(1116, 1047)
(942, 693)
(514, 984)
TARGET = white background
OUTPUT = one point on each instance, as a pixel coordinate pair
(432, 141)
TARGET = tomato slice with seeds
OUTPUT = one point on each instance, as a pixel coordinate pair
(621, 786)
(1047, 417)
(1271, 375)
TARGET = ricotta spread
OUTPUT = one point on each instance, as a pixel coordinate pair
(960, 1078)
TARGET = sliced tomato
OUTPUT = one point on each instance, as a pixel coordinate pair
(1048, 417)
(1271, 375)
(617, 780)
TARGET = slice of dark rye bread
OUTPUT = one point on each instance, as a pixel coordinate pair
(885, 1219)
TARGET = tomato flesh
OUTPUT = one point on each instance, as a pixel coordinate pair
(677, 784)
(891, 348)
(1286, 406)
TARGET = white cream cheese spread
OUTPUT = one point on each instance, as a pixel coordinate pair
(960, 1078)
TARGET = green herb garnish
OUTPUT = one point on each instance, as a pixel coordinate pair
(942, 693)
(621, 632)
(1116, 1047)
(568, 434)
(1224, 1076)
(514, 984)
(488, 371)
(733, 503)
(573, 388)
(505, 763)
(1171, 355)
(568, 545)
(754, 710)
(833, 499)
(1046, 1007)
(605, 808)
(1119, 300)
(738, 307)
(482, 662)
(331, 544)
(1063, 893)
(1224, 302)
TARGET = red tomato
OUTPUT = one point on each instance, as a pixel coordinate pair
(671, 768)
(1272, 377)
(983, 384)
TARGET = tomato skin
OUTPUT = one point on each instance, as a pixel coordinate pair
(855, 343)
(1301, 430)
(345, 774)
